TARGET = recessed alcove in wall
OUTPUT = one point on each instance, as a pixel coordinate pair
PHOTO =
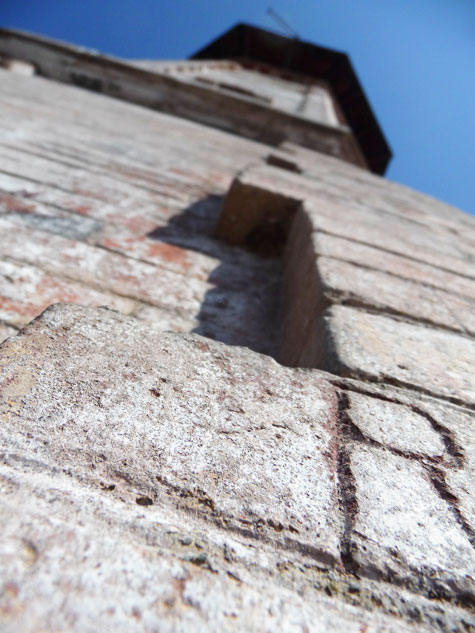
(263, 220)
(263, 289)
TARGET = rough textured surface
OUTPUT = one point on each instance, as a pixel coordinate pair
(378, 348)
(180, 483)
(112, 202)
(269, 469)
(165, 482)
(403, 522)
(388, 424)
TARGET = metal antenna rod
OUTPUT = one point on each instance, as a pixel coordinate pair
(282, 23)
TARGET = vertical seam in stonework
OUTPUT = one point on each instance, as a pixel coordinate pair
(435, 473)
(438, 481)
(346, 485)
(451, 312)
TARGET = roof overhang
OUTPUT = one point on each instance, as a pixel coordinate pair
(250, 43)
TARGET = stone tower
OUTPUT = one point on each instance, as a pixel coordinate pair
(237, 382)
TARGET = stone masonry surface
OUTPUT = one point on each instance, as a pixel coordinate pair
(312, 467)
(173, 483)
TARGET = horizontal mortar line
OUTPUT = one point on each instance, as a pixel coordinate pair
(99, 159)
(77, 150)
(33, 199)
(96, 286)
(362, 376)
(194, 319)
(139, 302)
(89, 239)
(76, 138)
(391, 252)
(335, 299)
(158, 266)
(162, 266)
(395, 275)
(109, 174)
(86, 240)
(431, 219)
(51, 185)
(49, 157)
(362, 387)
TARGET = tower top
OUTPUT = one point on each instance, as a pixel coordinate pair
(248, 43)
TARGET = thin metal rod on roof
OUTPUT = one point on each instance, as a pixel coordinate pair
(282, 23)
(308, 88)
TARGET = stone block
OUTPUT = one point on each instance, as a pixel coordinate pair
(376, 290)
(382, 349)
(395, 426)
(403, 527)
(225, 433)
(25, 291)
(380, 259)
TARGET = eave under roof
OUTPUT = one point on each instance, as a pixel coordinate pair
(250, 43)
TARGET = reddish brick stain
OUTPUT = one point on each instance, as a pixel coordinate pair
(26, 310)
(50, 291)
(138, 223)
(89, 194)
(169, 253)
(141, 246)
(82, 209)
(10, 203)
(108, 243)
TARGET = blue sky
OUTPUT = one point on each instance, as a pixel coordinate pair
(415, 59)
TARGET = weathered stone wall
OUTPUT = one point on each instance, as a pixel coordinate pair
(244, 115)
(109, 204)
(159, 481)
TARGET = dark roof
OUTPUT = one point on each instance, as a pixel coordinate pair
(251, 43)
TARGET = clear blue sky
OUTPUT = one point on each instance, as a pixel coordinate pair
(415, 59)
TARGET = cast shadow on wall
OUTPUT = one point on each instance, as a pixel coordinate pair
(243, 305)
